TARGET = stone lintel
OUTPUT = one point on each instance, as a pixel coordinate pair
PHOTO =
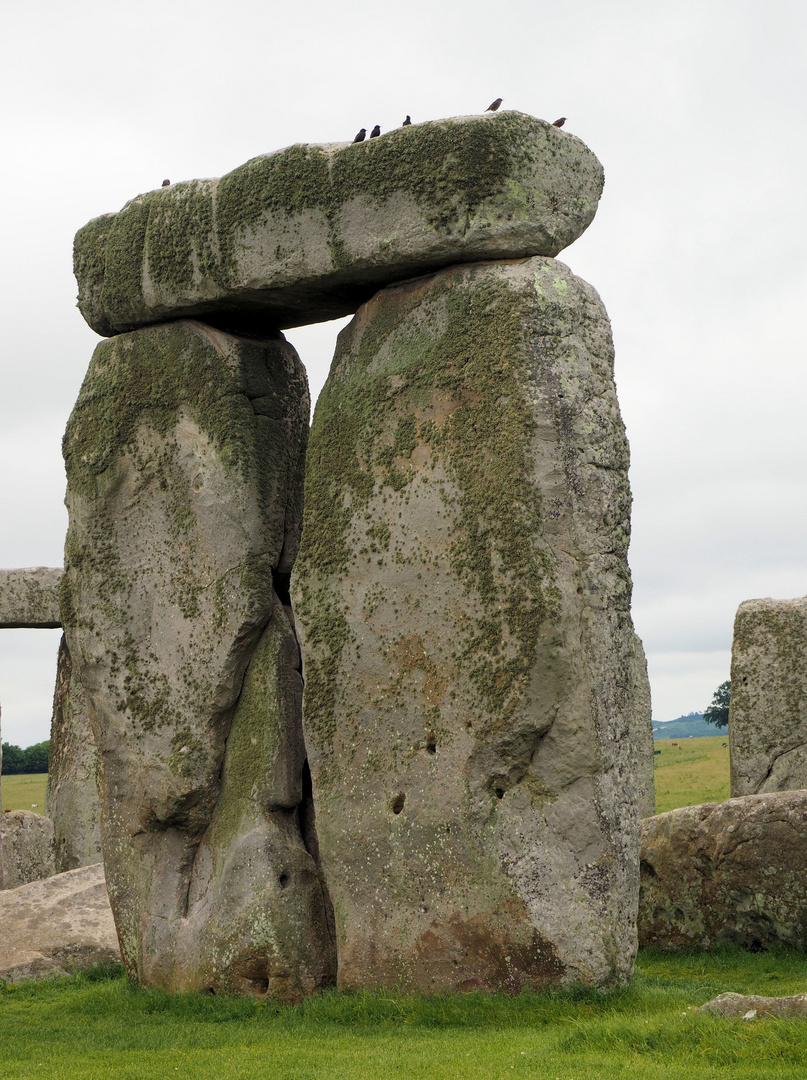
(29, 598)
(311, 232)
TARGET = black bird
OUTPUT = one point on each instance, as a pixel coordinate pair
(360, 136)
(375, 132)
(559, 123)
(166, 183)
(407, 121)
(494, 105)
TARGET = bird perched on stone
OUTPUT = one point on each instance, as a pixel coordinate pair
(559, 123)
(494, 105)
(407, 121)
(166, 183)
(360, 136)
(375, 132)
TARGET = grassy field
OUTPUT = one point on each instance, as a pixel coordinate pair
(98, 1024)
(24, 792)
(84, 1028)
(694, 771)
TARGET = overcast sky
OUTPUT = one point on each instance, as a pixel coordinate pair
(697, 111)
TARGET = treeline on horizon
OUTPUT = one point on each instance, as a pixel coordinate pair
(33, 759)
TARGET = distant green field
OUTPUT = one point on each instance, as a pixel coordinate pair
(694, 771)
(24, 792)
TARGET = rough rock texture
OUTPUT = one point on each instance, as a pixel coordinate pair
(29, 598)
(475, 704)
(731, 871)
(311, 232)
(57, 926)
(72, 798)
(26, 848)
(753, 1007)
(768, 714)
(184, 459)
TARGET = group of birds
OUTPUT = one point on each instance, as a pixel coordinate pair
(362, 133)
(494, 105)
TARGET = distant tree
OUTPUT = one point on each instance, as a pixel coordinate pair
(34, 759)
(718, 711)
(12, 759)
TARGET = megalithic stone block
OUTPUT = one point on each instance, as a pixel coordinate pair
(476, 708)
(768, 712)
(311, 232)
(72, 797)
(184, 458)
(29, 598)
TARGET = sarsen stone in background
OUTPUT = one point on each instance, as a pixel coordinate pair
(731, 871)
(768, 715)
(29, 598)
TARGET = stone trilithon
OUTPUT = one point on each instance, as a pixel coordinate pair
(469, 718)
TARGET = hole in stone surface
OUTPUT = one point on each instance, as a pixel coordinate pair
(283, 880)
(498, 792)
(431, 742)
(397, 803)
(209, 990)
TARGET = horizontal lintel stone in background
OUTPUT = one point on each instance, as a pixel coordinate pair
(311, 232)
(29, 598)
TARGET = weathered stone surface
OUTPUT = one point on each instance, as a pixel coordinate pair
(29, 598)
(726, 872)
(26, 848)
(753, 1007)
(311, 232)
(72, 798)
(56, 927)
(475, 705)
(184, 459)
(768, 713)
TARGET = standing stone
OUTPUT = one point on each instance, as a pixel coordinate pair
(476, 706)
(768, 713)
(72, 797)
(184, 457)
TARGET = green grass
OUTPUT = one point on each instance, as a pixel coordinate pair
(100, 1025)
(694, 771)
(24, 792)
